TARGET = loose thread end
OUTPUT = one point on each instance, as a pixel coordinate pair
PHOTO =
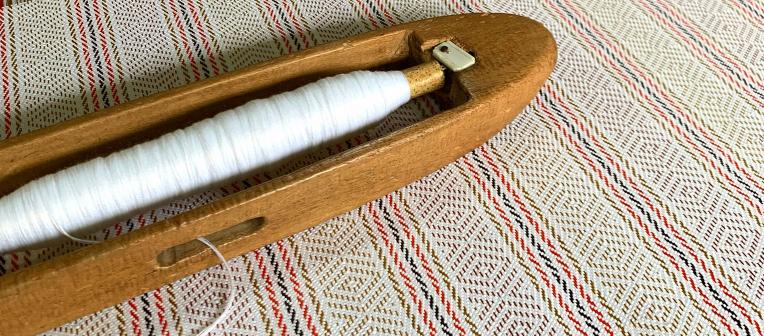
(231, 290)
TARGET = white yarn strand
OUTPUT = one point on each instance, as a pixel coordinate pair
(85, 197)
(231, 289)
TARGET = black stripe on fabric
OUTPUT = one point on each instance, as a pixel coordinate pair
(663, 104)
(377, 13)
(146, 307)
(518, 220)
(281, 283)
(292, 34)
(192, 35)
(647, 215)
(130, 225)
(96, 56)
(444, 326)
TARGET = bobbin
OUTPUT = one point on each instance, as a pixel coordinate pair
(514, 56)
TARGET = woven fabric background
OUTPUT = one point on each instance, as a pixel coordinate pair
(628, 198)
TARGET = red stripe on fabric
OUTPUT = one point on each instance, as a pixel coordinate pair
(401, 269)
(429, 105)
(179, 25)
(275, 306)
(675, 233)
(203, 37)
(385, 12)
(141, 221)
(297, 288)
(105, 49)
(369, 16)
(134, 317)
(117, 229)
(458, 6)
(655, 210)
(278, 26)
(542, 234)
(425, 264)
(296, 24)
(159, 304)
(478, 7)
(633, 213)
(14, 262)
(523, 247)
(86, 55)
(5, 73)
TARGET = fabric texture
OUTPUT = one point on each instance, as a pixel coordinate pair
(628, 198)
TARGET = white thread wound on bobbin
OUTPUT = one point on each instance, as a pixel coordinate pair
(229, 146)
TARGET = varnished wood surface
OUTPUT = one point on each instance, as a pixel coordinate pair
(514, 57)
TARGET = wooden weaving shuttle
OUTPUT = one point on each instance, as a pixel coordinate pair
(515, 55)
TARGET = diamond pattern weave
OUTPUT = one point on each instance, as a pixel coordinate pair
(628, 198)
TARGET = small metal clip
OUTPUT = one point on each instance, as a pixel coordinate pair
(452, 56)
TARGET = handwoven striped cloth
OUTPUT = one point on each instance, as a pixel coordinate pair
(628, 198)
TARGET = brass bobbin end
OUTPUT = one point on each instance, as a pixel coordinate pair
(430, 76)
(425, 78)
